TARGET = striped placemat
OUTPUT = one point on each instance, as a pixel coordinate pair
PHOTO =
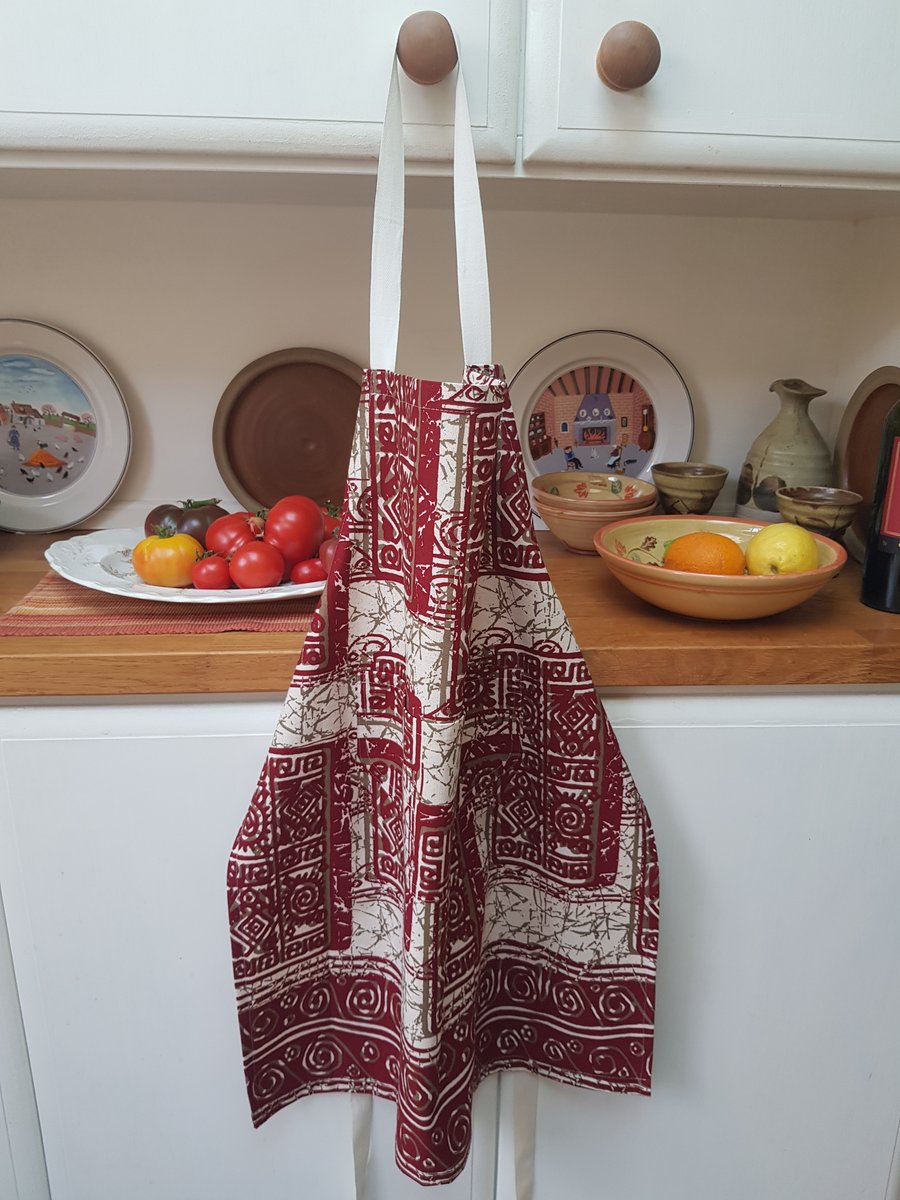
(57, 607)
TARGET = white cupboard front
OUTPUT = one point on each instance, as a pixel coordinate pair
(114, 837)
(777, 1071)
(752, 90)
(204, 84)
(777, 1061)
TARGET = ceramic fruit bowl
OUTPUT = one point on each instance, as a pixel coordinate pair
(592, 491)
(688, 487)
(825, 510)
(633, 551)
(576, 530)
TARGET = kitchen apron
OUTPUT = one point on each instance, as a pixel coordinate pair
(446, 869)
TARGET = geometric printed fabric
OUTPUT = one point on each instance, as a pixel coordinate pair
(446, 869)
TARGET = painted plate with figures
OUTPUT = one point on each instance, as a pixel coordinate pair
(601, 401)
(65, 436)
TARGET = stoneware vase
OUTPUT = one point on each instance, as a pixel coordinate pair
(790, 452)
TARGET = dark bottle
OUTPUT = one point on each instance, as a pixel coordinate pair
(881, 569)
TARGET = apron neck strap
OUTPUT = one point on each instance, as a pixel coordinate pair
(387, 237)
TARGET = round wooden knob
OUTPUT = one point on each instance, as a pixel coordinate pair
(628, 56)
(426, 47)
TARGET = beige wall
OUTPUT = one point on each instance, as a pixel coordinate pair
(176, 297)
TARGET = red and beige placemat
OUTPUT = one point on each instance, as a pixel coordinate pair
(57, 607)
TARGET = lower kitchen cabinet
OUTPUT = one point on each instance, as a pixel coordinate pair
(778, 1060)
(115, 834)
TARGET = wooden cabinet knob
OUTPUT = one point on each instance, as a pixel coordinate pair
(628, 56)
(426, 47)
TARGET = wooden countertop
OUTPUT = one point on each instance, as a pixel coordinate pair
(831, 640)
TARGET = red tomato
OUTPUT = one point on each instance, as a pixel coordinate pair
(256, 565)
(295, 527)
(308, 571)
(227, 533)
(327, 551)
(331, 517)
(211, 573)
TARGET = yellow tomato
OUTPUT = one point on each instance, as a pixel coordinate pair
(166, 561)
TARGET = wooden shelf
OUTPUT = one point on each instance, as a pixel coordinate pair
(831, 641)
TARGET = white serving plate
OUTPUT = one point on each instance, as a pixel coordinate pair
(102, 561)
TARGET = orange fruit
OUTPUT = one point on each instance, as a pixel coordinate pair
(705, 554)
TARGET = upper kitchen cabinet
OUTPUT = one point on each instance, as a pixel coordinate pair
(754, 91)
(273, 84)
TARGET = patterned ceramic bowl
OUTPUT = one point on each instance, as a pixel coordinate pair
(688, 487)
(576, 529)
(633, 551)
(825, 510)
(592, 491)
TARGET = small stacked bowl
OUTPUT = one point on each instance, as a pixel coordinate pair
(688, 488)
(574, 505)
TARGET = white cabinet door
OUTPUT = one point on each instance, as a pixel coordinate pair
(755, 89)
(113, 844)
(777, 1063)
(282, 79)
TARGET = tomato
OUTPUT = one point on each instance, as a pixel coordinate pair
(257, 564)
(295, 526)
(327, 551)
(162, 519)
(196, 516)
(192, 517)
(166, 560)
(227, 533)
(331, 518)
(211, 573)
(310, 570)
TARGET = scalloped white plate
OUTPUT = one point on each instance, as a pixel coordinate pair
(102, 561)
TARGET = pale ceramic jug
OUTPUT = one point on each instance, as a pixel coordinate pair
(790, 452)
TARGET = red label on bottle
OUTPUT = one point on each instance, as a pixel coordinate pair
(890, 515)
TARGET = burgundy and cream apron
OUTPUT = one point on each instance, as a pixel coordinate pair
(446, 869)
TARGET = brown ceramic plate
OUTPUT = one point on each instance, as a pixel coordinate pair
(858, 444)
(284, 426)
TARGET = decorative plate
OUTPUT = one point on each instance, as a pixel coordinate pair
(284, 426)
(65, 437)
(601, 401)
(102, 561)
(858, 445)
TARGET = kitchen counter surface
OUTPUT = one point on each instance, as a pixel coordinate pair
(831, 641)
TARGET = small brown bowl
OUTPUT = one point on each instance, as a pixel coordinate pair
(688, 488)
(825, 510)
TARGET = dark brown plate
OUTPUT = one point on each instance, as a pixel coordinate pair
(858, 444)
(284, 426)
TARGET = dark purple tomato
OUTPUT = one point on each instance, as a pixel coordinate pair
(162, 519)
(192, 517)
(195, 519)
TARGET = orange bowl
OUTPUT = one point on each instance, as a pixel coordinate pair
(592, 491)
(576, 529)
(633, 550)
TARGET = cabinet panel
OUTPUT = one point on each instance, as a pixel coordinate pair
(113, 850)
(296, 79)
(777, 1066)
(764, 87)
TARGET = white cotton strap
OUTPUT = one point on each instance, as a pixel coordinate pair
(524, 1105)
(361, 1107)
(387, 237)
(516, 1134)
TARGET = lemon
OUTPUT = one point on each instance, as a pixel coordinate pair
(782, 549)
